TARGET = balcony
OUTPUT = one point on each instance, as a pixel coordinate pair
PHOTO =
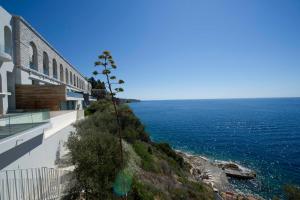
(76, 95)
(17, 122)
(5, 54)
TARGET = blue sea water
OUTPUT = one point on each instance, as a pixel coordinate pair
(262, 134)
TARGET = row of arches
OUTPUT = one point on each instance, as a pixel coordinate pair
(65, 76)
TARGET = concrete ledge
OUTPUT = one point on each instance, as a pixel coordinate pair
(18, 151)
(60, 121)
(19, 138)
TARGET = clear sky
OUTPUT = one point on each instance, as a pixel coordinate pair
(178, 49)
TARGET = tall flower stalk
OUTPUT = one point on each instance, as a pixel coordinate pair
(105, 60)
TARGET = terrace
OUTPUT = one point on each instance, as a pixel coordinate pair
(13, 123)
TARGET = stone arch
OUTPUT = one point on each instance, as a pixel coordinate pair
(67, 76)
(33, 57)
(54, 63)
(61, 73)
(7, 40)
(71, 78)
(45, 63)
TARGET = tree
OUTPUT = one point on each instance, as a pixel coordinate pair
(96, 84)
(98, 88)
(92, 152)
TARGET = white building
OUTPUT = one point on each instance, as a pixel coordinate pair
(31, 69)
(41, 96)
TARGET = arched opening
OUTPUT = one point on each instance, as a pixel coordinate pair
(54, 63)
(7, 40)
(71, 78)
(67, 76)
(45, 63)
(61, 74)
(33, 58)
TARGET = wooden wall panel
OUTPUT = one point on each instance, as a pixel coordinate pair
(40, 96)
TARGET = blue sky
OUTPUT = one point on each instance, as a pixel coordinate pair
(178, 49)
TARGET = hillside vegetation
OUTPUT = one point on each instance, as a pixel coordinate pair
(151, 171)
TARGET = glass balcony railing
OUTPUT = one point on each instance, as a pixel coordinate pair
(17, 122)
(74, 94)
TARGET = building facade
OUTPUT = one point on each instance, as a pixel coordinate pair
(33, 74)
(41, 96)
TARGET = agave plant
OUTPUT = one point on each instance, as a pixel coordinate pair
(106, 62)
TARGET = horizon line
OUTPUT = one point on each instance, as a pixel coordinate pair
(229, 98)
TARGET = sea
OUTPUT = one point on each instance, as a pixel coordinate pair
(260, 134)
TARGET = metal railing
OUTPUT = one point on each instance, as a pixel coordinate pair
(14, 123)
(33, 184)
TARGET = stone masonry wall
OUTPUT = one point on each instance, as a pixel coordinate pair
(26, 35)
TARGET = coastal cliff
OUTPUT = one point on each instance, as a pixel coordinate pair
(151, 170)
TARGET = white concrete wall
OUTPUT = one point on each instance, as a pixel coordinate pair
(45, 154)
(59, 122)
(56, 133)
(5, 67)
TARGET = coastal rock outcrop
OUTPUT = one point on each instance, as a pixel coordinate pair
(234, 170)
(216, 173)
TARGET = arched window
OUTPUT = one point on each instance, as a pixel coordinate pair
(45, 63)
(61, 72)
(7, 40)
(67, 76)
(33, 58)
(71, 78)
(54, 63)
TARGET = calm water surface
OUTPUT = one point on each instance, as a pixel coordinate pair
(262, 134)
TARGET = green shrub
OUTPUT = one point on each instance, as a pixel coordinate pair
(96, 156)
(165, 147)
(143, 191)
(99, 105)
(292, 192)
(148, 163)
(104, 118)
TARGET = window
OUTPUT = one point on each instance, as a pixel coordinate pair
(71, 78)
(74, 83)
(45, 63)
(33, 58)
(7, 40)
(77, 82)
(54, 68)
(61, 73)
(67, 76)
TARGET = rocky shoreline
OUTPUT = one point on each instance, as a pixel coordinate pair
(216, 173)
